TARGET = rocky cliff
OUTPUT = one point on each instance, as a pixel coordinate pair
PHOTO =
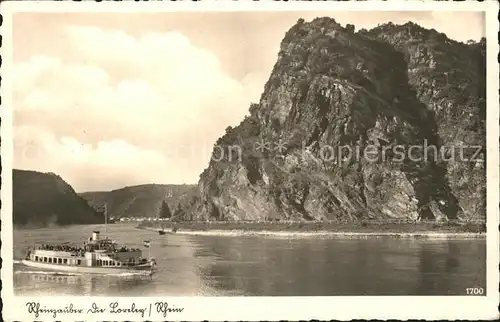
(356, 125)
(450, 79)
(141, 201)
(41, 199)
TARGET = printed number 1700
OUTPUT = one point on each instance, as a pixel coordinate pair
(474, 291)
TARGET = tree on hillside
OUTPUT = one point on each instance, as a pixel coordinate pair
(164, 210)
(179, 212)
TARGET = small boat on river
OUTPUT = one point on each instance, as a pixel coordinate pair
(162, 231)
(96, 256)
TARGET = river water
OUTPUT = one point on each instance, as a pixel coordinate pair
(255, 265)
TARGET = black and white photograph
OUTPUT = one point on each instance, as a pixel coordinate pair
(247, 154)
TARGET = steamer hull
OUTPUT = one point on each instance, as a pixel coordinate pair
(146, 269)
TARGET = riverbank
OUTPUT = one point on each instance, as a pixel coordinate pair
(325, 229)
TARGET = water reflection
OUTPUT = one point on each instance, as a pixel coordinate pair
(46, 283)
(209, 265)
(378, 266)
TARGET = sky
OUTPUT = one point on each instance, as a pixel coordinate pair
(107, 100)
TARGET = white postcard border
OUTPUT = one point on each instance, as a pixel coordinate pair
(263, 308)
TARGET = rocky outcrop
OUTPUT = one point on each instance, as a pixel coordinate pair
(41, 199)
(450, 79)
(353, 126)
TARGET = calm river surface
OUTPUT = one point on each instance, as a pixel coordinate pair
(221, 265)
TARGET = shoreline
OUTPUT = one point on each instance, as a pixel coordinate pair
(322, 233)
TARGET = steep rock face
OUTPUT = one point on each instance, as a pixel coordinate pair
(140, 201)
(450, 79)
(340, 128)
(44, 198)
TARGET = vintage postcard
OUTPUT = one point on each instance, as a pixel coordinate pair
(220, 160)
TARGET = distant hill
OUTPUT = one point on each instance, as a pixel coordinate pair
(140, 201)
(41, 199)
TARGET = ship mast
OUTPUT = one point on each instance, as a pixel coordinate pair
(105, 216)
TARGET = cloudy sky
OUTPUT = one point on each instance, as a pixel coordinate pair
(113, 100)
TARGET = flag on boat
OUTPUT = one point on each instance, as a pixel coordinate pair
(146, 243)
